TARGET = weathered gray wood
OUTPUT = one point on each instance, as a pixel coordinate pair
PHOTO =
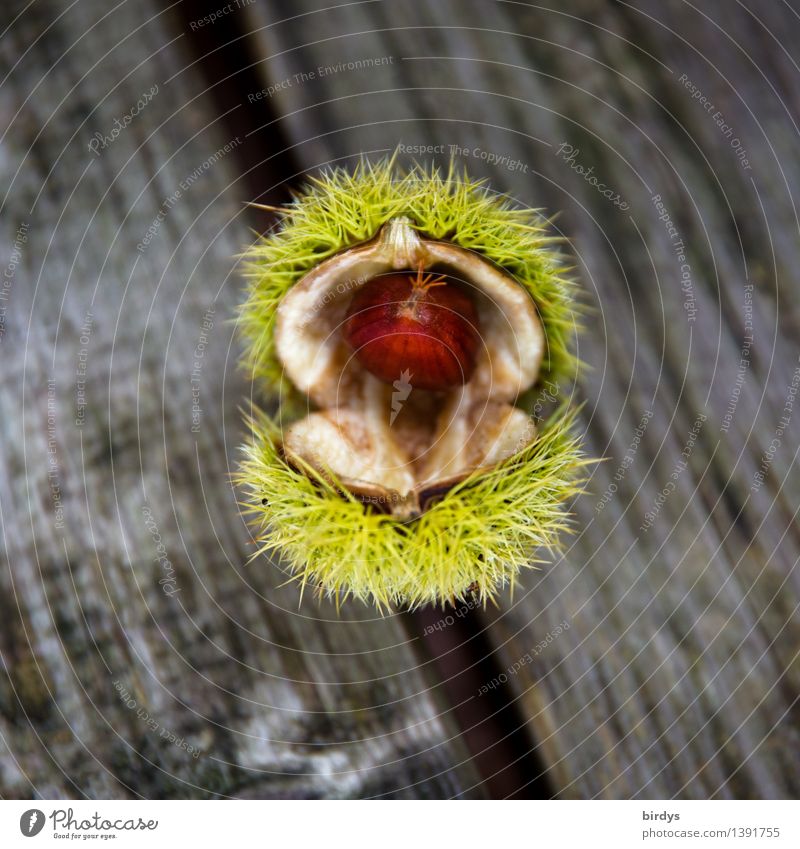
(273, 700)
(679, 674)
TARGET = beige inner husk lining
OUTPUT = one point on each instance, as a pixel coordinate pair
(397, 456)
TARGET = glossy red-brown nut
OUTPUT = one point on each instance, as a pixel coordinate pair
(422, 329)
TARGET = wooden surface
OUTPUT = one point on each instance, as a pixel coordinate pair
(274, 701)
(678, 675)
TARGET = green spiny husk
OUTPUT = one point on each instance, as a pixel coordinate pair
(342, 208)
(482, 532)
(486, 528)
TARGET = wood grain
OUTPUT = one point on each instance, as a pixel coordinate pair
(142, 655)
(679, 674)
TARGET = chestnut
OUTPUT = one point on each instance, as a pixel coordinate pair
(422, 324)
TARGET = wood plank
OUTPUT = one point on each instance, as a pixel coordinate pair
(142, 655)
(679, 674)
